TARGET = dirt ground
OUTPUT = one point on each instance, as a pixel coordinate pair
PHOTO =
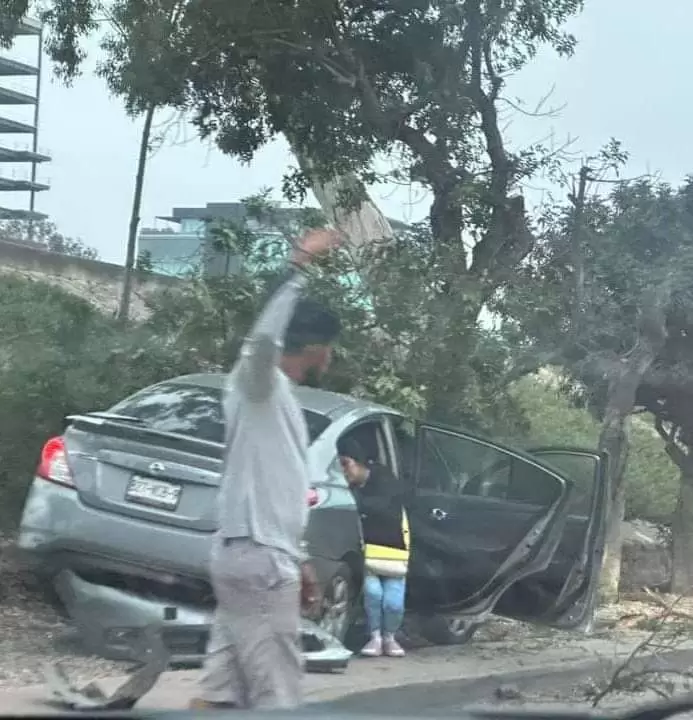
(33, 632)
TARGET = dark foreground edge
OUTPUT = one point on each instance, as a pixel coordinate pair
(657, 711)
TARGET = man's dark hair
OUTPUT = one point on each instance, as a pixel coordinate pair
(311, 324)
(348, 447)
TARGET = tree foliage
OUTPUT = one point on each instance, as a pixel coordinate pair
(387, 351)
(61, 356)
(633, 241)
(418, 81)
(608, 300)
(637, 250)
(651, 478)
(346, 81)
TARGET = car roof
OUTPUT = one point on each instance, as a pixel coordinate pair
(323, 402)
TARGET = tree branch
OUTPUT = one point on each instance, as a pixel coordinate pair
(508, 230)
(678, 457)
(622, 670)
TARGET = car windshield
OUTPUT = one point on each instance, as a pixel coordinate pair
(193, 410)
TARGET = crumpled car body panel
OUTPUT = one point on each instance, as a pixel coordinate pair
(112, 622)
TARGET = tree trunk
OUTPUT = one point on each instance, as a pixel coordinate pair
(614, 439)
(131, 254)
(625, 378)
(611, 565)
(363, 226)
(682, 536)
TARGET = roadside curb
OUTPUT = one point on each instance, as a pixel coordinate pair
(495, 689)
(419, 685)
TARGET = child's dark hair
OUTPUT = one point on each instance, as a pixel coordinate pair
(351, 448)
(311, 324)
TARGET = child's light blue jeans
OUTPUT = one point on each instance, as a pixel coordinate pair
(383, 599)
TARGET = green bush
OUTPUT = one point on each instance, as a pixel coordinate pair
(59, 356)
(651, 477)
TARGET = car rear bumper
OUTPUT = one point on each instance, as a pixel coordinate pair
(118, 576)
(56, 524)
(113, 622)
(58, 531)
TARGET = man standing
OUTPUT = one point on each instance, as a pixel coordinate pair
(258, 570)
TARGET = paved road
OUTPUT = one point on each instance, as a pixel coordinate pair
(442, 678)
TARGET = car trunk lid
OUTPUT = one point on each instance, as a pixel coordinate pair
(127, 468)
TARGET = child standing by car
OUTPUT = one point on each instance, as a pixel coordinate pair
(386, 536)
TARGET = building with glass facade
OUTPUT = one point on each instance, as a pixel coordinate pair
(190, 246)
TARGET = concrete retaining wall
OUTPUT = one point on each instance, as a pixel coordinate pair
(95, 281)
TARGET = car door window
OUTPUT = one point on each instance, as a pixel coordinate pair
(464, 466)
(581, 469)
(404, 432)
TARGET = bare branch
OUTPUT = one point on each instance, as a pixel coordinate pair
(340, 74)
(623, 671)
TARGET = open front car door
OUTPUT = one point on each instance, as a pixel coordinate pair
(496, 529)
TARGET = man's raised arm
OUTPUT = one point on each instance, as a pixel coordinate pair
(263, 347)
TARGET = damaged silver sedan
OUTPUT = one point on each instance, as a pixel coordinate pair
(122, 511)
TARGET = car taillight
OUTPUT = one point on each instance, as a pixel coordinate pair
(313, 497)
(53, 465)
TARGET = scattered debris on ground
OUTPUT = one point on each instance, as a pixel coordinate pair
(652, 671)
(125, 697)
(33, 631)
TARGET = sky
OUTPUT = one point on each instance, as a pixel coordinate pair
(628, 79)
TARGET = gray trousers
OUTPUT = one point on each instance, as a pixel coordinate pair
(254, 658)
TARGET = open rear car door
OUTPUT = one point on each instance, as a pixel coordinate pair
(497, 529)
(564, 594)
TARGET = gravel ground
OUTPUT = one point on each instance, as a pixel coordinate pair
(33, 631)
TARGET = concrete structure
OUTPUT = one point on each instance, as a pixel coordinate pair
(17, 158)
(98, 282)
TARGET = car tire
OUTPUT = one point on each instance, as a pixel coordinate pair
(338, 603)
(446, 630)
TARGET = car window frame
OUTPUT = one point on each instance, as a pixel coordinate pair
(514, 453)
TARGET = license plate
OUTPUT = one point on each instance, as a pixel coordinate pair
(154, 493)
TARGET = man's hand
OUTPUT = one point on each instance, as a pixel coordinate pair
(314, 243)
(311, 597)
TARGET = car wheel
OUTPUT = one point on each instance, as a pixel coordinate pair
(338, 600)
(446, 630)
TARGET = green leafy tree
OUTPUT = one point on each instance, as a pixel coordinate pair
(651, 482)
(59, 356)
(346, 82)
(385, 351)
(595, 300)
(667, 392)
